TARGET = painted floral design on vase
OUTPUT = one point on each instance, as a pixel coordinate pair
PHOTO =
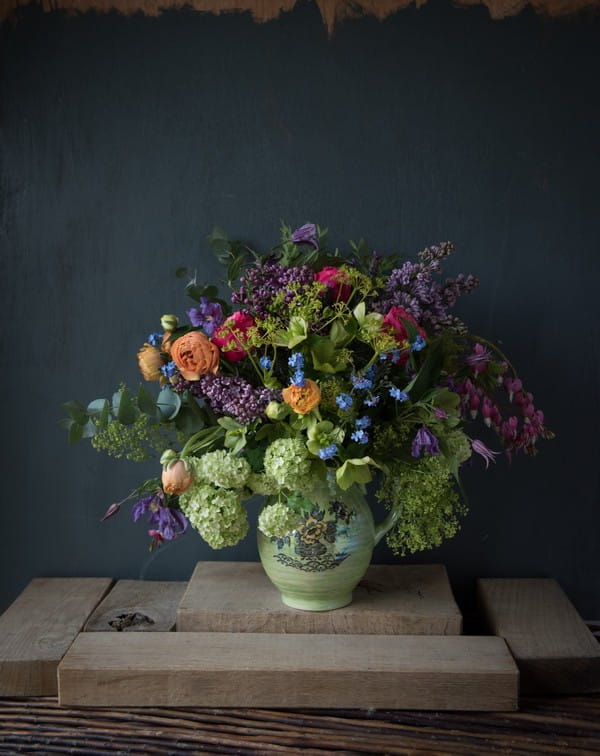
(318, 564)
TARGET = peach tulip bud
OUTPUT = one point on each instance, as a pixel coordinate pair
(176, 478)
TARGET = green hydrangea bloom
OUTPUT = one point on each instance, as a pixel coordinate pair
(287, 463)
(262, 484)
(221, 468)
(276, 520)
(216, 513)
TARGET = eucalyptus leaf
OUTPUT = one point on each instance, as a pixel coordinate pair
(95, 408)
(75, 433)
(89, 429)
(168, 404)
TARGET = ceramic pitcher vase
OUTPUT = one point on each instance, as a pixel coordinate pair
(317, 565)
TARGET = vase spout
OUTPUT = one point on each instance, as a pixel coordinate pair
(384, 527)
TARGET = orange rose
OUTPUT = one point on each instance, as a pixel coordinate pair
(195, 355)
(150, 362)
(166, 344)
(302, 399)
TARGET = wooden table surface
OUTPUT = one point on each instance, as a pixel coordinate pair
(566, 725)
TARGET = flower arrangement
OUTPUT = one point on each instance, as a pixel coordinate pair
(316, 365)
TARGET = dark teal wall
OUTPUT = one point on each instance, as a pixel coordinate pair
(123, 141)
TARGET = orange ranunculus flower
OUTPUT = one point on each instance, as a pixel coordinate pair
(150, 362)
(176, 478)
(195, 355)
(302, 399)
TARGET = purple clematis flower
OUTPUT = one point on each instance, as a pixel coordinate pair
(166, 522)
(306, 234)
(208, 316)
(480, 448)
(425, 442)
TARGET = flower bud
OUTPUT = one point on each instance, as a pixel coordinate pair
(176, 478)
(276, 410)
(169, 322)
(168, 456)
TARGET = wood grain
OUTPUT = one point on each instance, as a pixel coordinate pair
(553, 725)
(551, 644)
(138, 605)
(391, 600)
(283, 671)
(38, 628)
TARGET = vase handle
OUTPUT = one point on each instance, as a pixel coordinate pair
(385, 526)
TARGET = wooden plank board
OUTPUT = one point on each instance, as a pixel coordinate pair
(38, 628)
(551, 644)
(282, 671)
(391, 600)
(138, 605)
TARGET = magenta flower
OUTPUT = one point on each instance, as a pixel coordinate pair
(425, 443)
(480, 448)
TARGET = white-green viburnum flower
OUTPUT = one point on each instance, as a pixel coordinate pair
(221, 468)
(216, 513)
(262, 484)
(276, 520)
(286, 461)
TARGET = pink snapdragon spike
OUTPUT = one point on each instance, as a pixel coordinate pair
(480, 448)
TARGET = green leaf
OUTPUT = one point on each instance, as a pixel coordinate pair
(76, 411)
(127, 413)
(447, 400)
(65, 423)
(104, 417)
(360, 312)
(188, 422)
(353, 471)
(229, 423)
(325, 358)
(339, 335)
(429, 373)
(75, 433)
(168, 404)
(145, 401)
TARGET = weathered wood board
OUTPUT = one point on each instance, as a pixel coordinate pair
(391, 600)
(38, 628)
(138, 605)
(282, 671)
(551, 644)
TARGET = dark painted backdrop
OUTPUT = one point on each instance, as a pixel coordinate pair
(123, 141)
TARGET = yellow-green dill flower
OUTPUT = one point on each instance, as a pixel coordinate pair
(276, 520)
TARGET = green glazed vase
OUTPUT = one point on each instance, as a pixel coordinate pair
(317, 566)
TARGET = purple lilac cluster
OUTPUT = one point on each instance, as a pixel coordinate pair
(262, 283)
(230, 395)
(412, 287)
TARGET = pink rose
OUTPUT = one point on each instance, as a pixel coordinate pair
(337, 281)
(393, 322)
(233, 330)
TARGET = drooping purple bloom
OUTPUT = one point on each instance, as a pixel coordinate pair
(147, 504)
(425, 443)
(480, 448)
(166, 522)
(306, 234)
(208, 316)
(479, 358)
